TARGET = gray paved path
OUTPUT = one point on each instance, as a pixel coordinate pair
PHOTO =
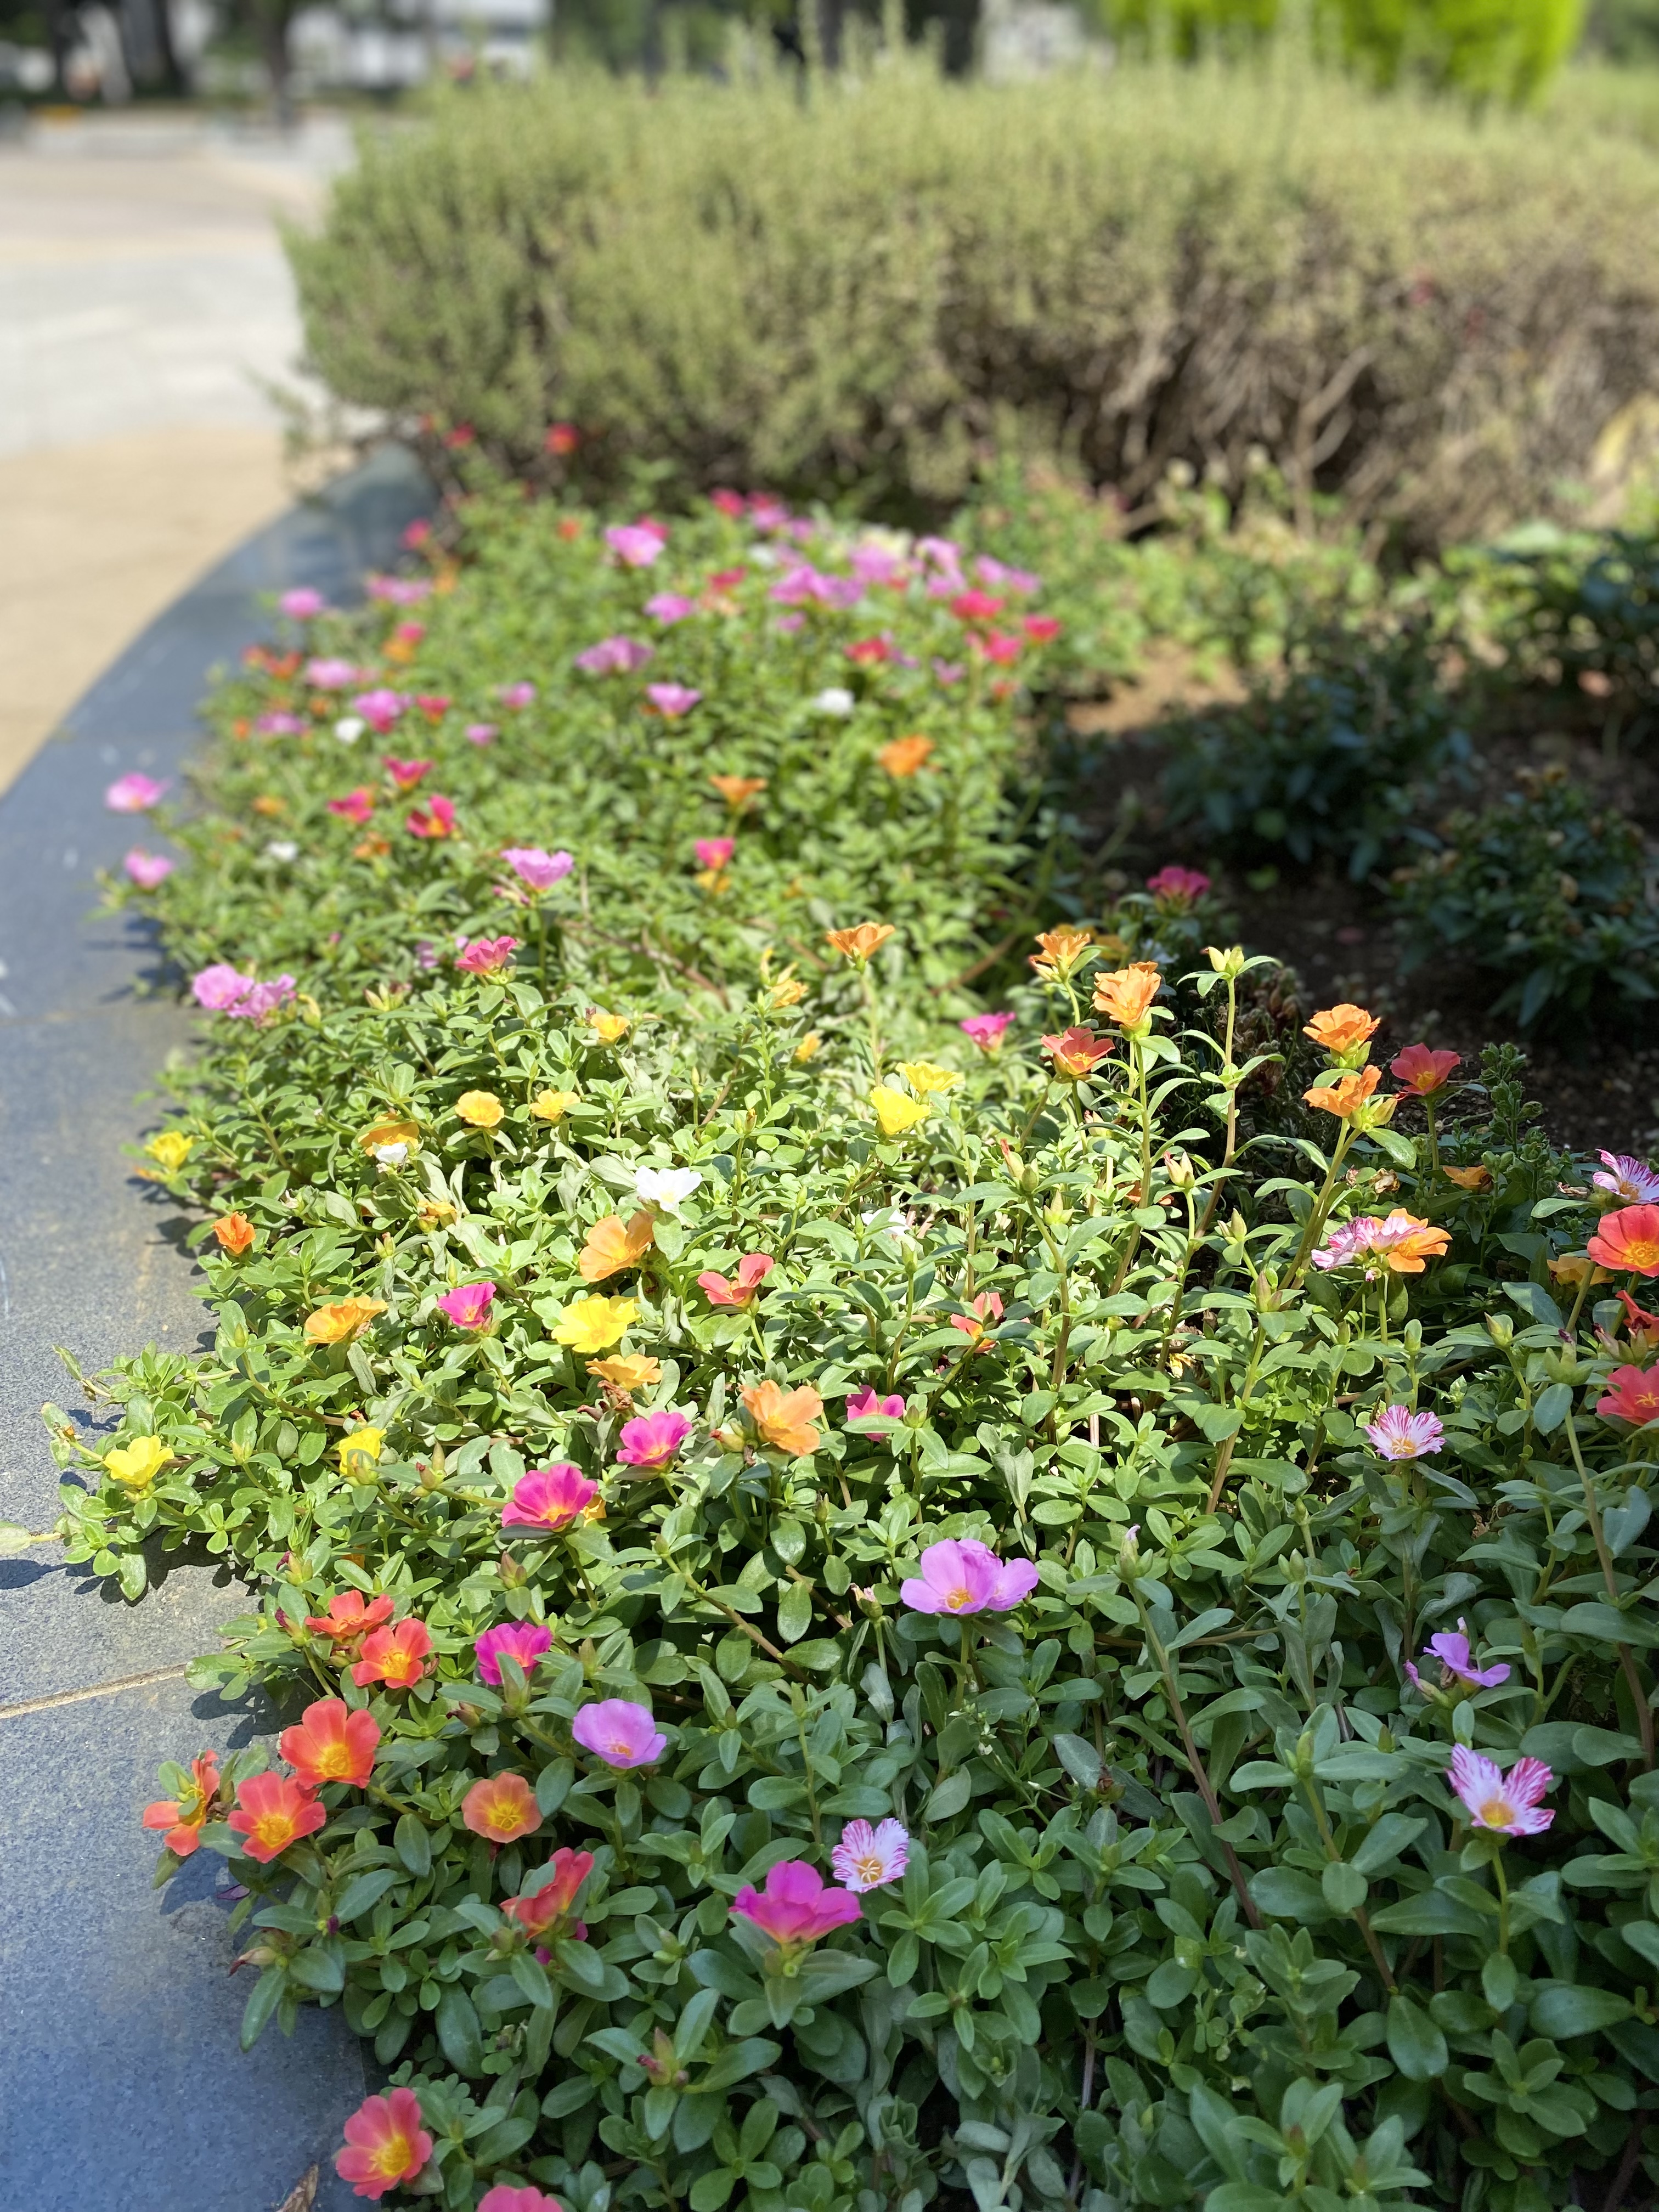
(121, 2085)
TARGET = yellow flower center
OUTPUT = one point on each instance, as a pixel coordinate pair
(392, 2158)
(1497, 1812)
(955, 1600)
(274, 1829)
(1642, 1252)
(869, 1868)
(336, 1761)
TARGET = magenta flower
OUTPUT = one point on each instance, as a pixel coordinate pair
(468, 1305)
(653, 1440)
(302, 604)
(548, 1498)
(620, 1734)
(280, 726)
(1398, 1433)
(868, 1858)
(523, 1641)
(481, 734)
(1505, 1804)
(636, 544)
(379, 708)
(487, 955)
(669, 607)
(399, 590)
(985, 1030)
(516, 695)
(218, 987)
(332, 674)
(539, 870)
(356, 805)
(133, 793)
(1178, 888)
(992, 572)
(260, 999)
(796, 1907)
(147, 869)
(615, 656)
(1631, 1182)
(715, 852)
(964, 1576)
(1457, 1662)
(867, 1406)
(672, 700)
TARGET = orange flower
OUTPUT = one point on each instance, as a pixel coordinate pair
(613, 1246)
(235, 1232)
(784, 1419)
(273, 1811)
(1576, 1268)
(1344, 1098)
(857, 944)
(348, 1617)
(332, 1744)
(1627, 1241)
(904, 756)
(1406, 1253)
(1344, 1031)
(1126, 995)
(501, 1808)
(1474, 1178)
(1063, 951)
(374, 847)
(183, 1819)
(738, 790)
(343, 1320)
(625, 1372)
(1423, 1071)
(1077, 1053)
(395, 1655)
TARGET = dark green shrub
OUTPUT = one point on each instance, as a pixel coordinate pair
(1588, 608)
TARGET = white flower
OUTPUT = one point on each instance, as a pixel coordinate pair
(667, 1188)
(283, 848)
(350, 728)
(835, 700)
(391, 1156)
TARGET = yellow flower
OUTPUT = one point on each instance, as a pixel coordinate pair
(479, 1109)
(809, 1047)
(787, 991)
(392, 1129)
(339, 1323)
(361, 1444)
(594, 1324)
(923, 1077)
(171, 1149)
(610, 1029)
(895, 1113)
(553, 1105)
(434, 1213)
(137, 1465)
(627, 1372)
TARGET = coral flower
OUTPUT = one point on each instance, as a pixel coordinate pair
(785, 1419)
(1627, 1241)
(868, 1405)
(385, 2143)
(550, 1499)
(1060, 952)
(356, 805)
(1424, 1072)
(480, 1110)
(752, 1270)
(1344, 1098)
(349, 1616)
(626, 1373)
(623, 1734)
(467, 1306)
(652, 1441)
(904, 756)
(147, 869)
(983, 1314)
(133, 793)
(135, 1466)
(1631, 1182)
(536, 869)
(795, 1906)
(868, 1858)
(1077, 1052)
(1475, 1178)
(738, 791)
(395, 1655)
(985, 1030)
(1642, 1327)
(332, 1744)
(234, 1233)
(182, 1819)
(1343, 1029)
(1398, 1433)
(405, 774)
(1176, 889)
(1505, 1804)
(858, 944)
(610, 1029)
(1631, 1394)
(672, 700)
(1126, 995)
(487, 955)
(613, 1245)
(964, 1576)
(714, 853)
(538, 1913)
(436, 819)
(524, 1642)
(594, 1324)
(1457, 1662)
(273, 1811)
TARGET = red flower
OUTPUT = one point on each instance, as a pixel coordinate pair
(436, 819)
(273, 1811)
(869, 651)
(1042, 629)
(999, 647)
(394, 1656)
(1423, 1071)
(563, 439)
(349, 1616)
(332, 1744)
(975, 606)
(1627, 1241)
(537, 1914)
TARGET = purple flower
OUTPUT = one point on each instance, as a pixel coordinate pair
(147, 869)
(672, 700)
(1505, 1804)
(636, 544)
(481, 734)
(516, 694)
(615, 656)
(1631, 1182)
(868, 1858)
(620, 1734)
(867, 1405)
(302, 604)
(1456, 1660)
(523, 1641)
(468, 1305)
(539, 870)
(133, 793)
(1398, 1433)
(964, 1576)
(877, 564)
(669, 607)
(332, 674)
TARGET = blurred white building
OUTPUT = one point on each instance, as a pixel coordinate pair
(400, 42)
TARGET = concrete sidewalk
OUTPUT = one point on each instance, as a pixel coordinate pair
(123, 2084)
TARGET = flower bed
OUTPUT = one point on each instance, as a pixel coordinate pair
(880, 1597)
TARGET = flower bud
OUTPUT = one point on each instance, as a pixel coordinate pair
(1179, 1170)
(1229, 963)
(513, 1572)
(1501, 1330)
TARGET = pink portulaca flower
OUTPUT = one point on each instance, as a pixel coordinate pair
(399, 590)
(524, 1642)
(487, 955)
(133, 793)
(964, 1576)
(550, 1499)
(795, 1906)
(669, 607)
(504, 2197)
(468, 1305)
(304, 604)
(516, 695)
(1631, 1182)
(715, 852)
(1177, 888)
(653, 1440)
(868, 1405)
(330, 673)
(1398, 1433)
(985, 1030)
(948, 672)
(538, 870)
(381, 709)
(260, 1000)
(868, 1858)
(433, 821)
(217, 988)
(280, 726)
(636, 544)
(1457, 1662)
(356, 805)
(147, 869)
(1000, 578)
(615, 656)
(481, 734)
(620, 1734)
(672, 700)
(1503, 1804)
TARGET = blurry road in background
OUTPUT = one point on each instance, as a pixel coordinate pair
(143, 295)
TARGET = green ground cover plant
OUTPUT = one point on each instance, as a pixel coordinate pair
(880, 1597)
